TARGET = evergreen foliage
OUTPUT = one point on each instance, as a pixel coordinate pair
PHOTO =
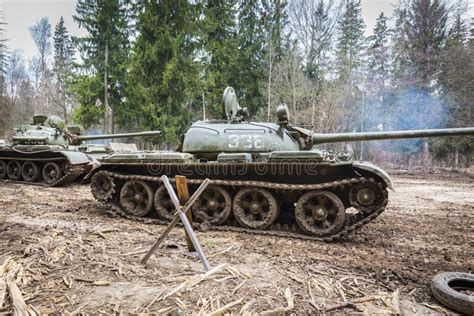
(156, 64)
(107, 26)
(351, 41)
(164, 76)
(62, 66)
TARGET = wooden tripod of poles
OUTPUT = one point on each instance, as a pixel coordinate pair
(181, 215)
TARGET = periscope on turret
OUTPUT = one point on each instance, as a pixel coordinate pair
(266, 177)
(49, 152)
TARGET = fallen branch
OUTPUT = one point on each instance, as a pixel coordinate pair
(247, 306)
(18, 303)
(193, 281)
(221, 252)
(3, 292)
(290, 301)
(352, 302)
(225, 308)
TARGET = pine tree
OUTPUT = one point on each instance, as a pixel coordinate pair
(457, 34)
(379, 58)
(351, 43)
(400, 48)
(63, 63)
(251, 56)
(275, 21)
(220, 64)
(426, 34)
(455, 79)
(105, 56)
(164, 71)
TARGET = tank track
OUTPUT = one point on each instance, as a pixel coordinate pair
(353, 222)
(72, 172)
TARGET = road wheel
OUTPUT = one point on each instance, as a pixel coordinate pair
(30, 171)
(214, 205)
(3, 169)
(367, 197)
(52, 172)
(320, 213)
(14, 170)
(255, 208)
(446, 289)
(102, 187)
(136, 197)
(163, 205)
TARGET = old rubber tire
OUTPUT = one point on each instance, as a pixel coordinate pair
(445, 286)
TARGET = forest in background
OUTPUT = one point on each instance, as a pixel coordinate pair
(155, 65)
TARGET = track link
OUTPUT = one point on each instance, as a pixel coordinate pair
(353, 222)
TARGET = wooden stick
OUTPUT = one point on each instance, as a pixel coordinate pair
(352, 302)
(177, 216)
(247, 306)
(18, 303)
(183, 195)
(225, 308)
(193, 281)
(3, 291)
(290, 304)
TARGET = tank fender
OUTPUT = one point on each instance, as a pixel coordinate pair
(76, 158)
(367, 166)
(95, 168)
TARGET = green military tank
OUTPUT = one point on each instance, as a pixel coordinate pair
(267, 178)
(49, 153)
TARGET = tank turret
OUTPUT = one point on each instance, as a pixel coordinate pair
(207, 139)
(53, 131)
(266, 177)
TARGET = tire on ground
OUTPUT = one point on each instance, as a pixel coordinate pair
(445, 288)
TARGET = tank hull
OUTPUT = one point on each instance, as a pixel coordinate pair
(43, 166)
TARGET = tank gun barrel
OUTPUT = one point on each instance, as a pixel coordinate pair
(109, 136)
(319, 138)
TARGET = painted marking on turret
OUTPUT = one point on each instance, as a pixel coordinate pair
(246, 141)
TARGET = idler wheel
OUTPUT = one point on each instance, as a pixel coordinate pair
(163, 205)
(255, 208)
(3, 169)
(30, 171)
(320, 213)
(14, 170)
(367, 197)
(214, 205)
(136, 197)
(102, 187)
(52, 172)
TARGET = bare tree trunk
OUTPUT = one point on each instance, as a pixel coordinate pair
(456, 158)
(426, 153)
(293, 86)
(269, 79)
(108, 115)
(64, 102)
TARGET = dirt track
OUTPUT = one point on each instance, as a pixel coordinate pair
(73, 256)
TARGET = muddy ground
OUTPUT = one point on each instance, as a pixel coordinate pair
(66, 253)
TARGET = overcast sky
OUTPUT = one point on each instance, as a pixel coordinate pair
(21, 14)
